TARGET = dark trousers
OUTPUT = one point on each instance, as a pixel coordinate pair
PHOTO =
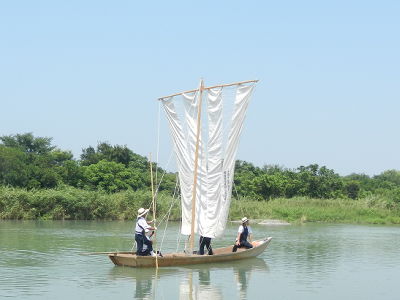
(242, 244)
(143, 240)
(205, 241)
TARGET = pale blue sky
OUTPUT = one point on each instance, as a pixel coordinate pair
(89, 71)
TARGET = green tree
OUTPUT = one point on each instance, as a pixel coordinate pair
(117, 153)
(28, 143)
(389, 176)
(13, 168)
(293, 184)
(273, 169)
(43, 172)
(244, 175)
(32, 162)
(352, 189)
(319, 182)
(112, 177)
(270, 186)
(136, 165)
(367, 184)
(72, 173)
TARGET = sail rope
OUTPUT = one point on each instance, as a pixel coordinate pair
(178, 237)
(158, 143)
(192, 113)
(158, 139)
(238, 198)
(158, 183)
(168, 214)
(187, 243)
(165, 171)
(174, 197)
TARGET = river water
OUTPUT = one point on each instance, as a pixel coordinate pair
(39, 260)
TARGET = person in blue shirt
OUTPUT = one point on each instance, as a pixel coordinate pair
(244, 231)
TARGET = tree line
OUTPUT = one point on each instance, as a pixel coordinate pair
(31, 162)
(313, 181)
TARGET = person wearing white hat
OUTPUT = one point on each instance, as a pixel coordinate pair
(140, 234)
(244, 231)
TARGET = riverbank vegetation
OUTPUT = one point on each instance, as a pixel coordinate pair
(40, 181)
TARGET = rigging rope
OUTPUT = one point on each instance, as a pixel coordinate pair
(192, 113)
(159, 181)
(158, 138)
(168, 214)
(237, 197)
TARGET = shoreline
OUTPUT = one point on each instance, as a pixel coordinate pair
(264, 222)
(74, 204)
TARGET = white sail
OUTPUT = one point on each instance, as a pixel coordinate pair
(218, 144)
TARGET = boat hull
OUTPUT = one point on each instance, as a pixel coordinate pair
(179, 259)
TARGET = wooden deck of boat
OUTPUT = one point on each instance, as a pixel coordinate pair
(177, 259)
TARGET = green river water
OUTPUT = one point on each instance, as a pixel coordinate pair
(39, 260)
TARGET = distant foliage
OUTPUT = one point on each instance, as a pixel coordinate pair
(33, 163)
(352, 189)
(274, 182)
(113, 177)
(117, 153)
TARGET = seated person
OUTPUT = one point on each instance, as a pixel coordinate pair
(243, 232)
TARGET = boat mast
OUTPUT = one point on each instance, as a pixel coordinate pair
(195, 167)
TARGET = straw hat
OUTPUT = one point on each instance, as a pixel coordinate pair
(141, 212)
(244, 220)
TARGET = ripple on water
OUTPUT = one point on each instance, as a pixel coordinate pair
(40, 260)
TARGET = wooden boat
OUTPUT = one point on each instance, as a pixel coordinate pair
(130, 259)
(206, 154)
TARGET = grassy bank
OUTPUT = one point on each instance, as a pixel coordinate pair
(68, 203)
(74, 204)
(370, 210)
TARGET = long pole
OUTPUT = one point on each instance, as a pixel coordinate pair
(210, 87)
(154, 210)
(195, 168)
(98, 253)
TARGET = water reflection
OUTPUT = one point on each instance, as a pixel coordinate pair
(202, 289)
(243, 274)
(242, 281)
(39, 260)
(208, 277)
(208, 286)
(143, 289)
(195, 282)
(145, 281)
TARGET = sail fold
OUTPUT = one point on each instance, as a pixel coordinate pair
(222, 125)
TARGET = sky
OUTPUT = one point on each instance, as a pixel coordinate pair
(83, 72)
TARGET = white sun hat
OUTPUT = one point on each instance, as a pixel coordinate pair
(141, 212)
(244, 220)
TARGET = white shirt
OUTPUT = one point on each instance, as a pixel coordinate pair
(142, 222)
(241, 229)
